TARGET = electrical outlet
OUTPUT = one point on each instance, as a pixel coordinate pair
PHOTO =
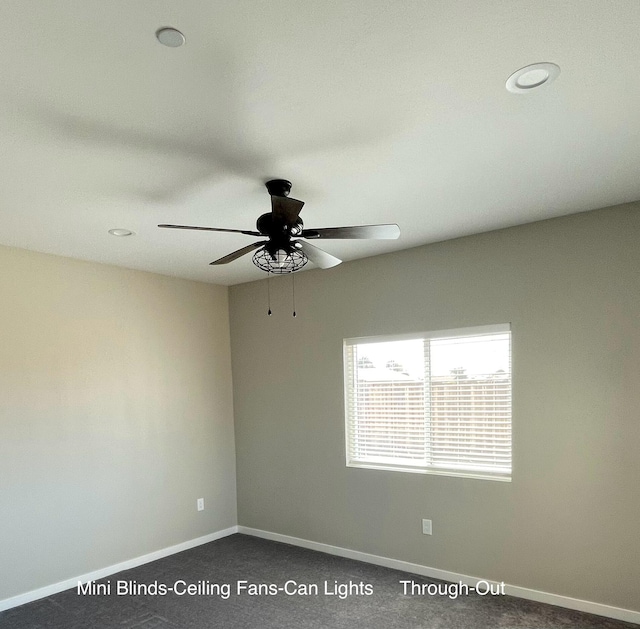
(200, 504)
(426, 527)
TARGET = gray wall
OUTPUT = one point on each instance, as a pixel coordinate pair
(569, 522)
(115, 416)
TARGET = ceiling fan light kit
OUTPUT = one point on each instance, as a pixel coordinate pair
(285, 249)
(280, 262)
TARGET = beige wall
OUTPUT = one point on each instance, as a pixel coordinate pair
(569, 523)
(115, 416)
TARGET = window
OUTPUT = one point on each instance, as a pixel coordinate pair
(438, 402)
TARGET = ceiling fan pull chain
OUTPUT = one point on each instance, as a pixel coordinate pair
(269, 292)
(293, 292)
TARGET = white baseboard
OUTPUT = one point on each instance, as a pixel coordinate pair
(445, 575)
(599, 609)
(48, 590)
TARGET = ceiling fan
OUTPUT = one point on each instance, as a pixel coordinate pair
(285, 249)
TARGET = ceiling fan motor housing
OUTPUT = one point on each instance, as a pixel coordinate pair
(269, 226)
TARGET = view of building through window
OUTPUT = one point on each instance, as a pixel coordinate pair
(431, 403)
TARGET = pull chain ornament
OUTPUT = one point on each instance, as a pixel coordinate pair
(293, 292)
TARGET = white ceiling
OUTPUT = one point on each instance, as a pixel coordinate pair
(376, 111)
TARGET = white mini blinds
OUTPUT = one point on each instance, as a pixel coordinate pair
(438, 402)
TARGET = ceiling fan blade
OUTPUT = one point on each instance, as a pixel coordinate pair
(239, 253)
(376, 232)
(213, 229)
(286, 209)
(319, 257)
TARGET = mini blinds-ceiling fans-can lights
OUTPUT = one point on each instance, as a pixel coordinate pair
(532, 77)
(281, 262)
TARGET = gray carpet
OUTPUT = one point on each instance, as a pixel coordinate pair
(241, 558)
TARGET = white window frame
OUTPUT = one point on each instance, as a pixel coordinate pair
(424, 469)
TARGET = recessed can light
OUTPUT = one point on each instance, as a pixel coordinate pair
(170, 37)
(120, 232)
(532, 76)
